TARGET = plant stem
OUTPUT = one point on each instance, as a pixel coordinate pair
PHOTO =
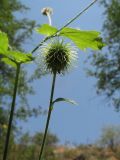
(11, 113)
(49, 115)
(49, 19)
(68, 23)
(78, 15)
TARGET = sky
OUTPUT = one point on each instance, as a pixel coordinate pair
(80, 124)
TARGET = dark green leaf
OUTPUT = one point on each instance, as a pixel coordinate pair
(65, 100)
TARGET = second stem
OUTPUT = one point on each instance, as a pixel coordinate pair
(11, 113)
(49, 115)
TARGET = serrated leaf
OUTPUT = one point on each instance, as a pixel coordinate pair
(46, 29)
(9, 62)
(18, 57)
(65, 100)
(83, 39)
(3, 41)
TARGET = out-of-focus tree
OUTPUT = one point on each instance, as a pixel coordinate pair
(106, 64)
(18, 30)
(110, 137)
(50, 141)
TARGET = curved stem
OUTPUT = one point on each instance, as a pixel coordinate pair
(68, 23)
(11, 113)
(48, 117)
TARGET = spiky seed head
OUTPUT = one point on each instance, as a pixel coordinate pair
(58, 56)
(47, 10)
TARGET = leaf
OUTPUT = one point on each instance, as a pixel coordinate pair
(46, 29)
(3, 41)
(9, 62)
(65, 100)
(83, 39)
(12, 57)
(18, 57)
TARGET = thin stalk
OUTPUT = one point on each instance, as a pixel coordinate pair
(48, 117)
(68, 23)
(78, 15)
(11, 113)
(49, 19)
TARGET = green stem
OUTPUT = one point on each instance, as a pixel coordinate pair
(68, 23)
(48, 117)
(78, 15)
(11, 113)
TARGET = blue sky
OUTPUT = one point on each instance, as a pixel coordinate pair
(76, 124)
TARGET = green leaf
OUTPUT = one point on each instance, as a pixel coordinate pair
(18, 57)
(9, 57)
(46, 29)
(65, 100)
(3, 41)
(9, 62)
(83, 39)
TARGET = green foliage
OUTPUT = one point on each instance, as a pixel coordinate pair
(82, 39)
(12, 56)
(17, 30)
(106, 65)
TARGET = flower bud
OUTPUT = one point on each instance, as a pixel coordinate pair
(47, 10)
